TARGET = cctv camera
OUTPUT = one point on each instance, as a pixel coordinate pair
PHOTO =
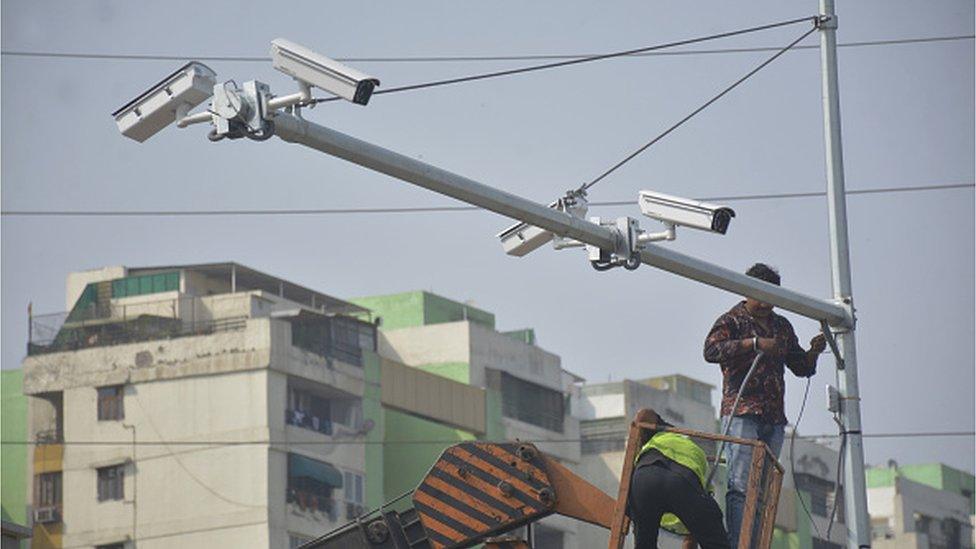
(168, 100)
(318, 70)
(674, 210)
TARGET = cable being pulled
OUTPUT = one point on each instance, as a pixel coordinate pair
(728, 423)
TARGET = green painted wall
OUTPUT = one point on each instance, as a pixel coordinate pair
(802, 538)
(936, 475)
(438, 310)
(13, 426)
(406, 464)
(419, 308)
(397, 310)
(373, 410)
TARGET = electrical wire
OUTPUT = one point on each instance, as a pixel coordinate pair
(461, 58)
(675, 126)
(837, 494)
(533, 68)
(313, 542)
(915, 434)
(438, 209)
(796, 426)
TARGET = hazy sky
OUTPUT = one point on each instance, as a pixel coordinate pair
(908, 114)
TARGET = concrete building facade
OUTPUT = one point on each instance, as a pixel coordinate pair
(197, 406)
(809, 497)
(527, 393)
(920, 507)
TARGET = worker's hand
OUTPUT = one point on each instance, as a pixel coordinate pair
(768, 345)
(818, 344)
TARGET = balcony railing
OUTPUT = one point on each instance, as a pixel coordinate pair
(50, 436)
(313, 503)
(106, 324)
(305, 420)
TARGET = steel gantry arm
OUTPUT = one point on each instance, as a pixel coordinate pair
(298, 130)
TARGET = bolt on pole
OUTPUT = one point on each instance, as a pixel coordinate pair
(855, 493)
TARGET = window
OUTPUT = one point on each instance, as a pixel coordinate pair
(545, 537)
(824, 544)
(117, 545)
(48, 490)
(311, 484)
(146, 284)
(532, 403)
(820, 491)
(338, 337)
(311, 411)
(110, 401)
(297, 540)
(603, 444)
(111, 483)
(353, 493)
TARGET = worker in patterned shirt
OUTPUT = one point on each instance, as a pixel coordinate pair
(734, 341)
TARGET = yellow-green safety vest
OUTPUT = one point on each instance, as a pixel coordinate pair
(683, 451)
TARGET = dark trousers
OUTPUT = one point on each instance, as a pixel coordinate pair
(660, 488)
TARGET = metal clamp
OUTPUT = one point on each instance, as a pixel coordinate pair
(824, 22)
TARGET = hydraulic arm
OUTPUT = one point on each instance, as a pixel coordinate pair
(478, 491)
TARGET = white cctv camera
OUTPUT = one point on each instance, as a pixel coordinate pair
(317, 70)
(165, 102)
(674, 210)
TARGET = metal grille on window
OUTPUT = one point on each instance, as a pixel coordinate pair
(110, 403)
(110, 483)
(48, 489)
(532, 403)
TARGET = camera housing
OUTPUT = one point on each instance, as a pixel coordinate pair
(674, 210)
(322, 72)
(165, 102)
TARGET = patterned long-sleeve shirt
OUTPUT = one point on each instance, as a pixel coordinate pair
(729, 344)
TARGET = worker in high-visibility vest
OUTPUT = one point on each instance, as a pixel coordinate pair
(667, 490)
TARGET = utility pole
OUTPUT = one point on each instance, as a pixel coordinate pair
(855, 492)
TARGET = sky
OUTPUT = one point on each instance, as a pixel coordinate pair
(908, 120)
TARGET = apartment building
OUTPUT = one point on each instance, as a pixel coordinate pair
(920, 506)
(809, 497)
(526, 392)
(197, 406)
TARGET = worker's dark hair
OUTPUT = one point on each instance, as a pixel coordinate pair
(764, 272)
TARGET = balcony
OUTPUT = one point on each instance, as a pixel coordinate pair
(131, 320)
(318, 506)
(340, 337)
(305, 420)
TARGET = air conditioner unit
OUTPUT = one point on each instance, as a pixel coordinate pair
(45, 515)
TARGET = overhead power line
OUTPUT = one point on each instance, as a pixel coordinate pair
(437, 209)
(461, 58)
(704, 106)
(922, 434)
(577, 61)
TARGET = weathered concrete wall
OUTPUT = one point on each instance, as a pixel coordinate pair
(218, 353)
(490, 349)
(419, 345)
(167, 485)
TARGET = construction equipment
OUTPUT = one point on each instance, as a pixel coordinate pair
(477, 492)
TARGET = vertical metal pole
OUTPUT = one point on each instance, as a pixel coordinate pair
(855, 494)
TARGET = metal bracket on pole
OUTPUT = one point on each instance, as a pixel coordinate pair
(826, 22)
(832, 342)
